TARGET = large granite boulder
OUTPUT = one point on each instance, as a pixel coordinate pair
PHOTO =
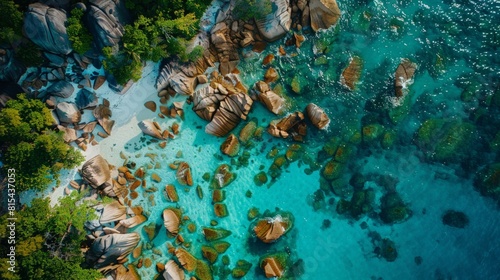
(206, 102)
(105, 20)
(232, 110)
(68, 112)
(86, 99)
(111, 249)
(173, 271)
(352, 73)
(272, 267)
(324, 13)
(61, 88)
(10, 69)
(404, 73)
(96, 171)
(151, 129)
(45, 26)
(317, 116)
(113, 211)
(276, 24)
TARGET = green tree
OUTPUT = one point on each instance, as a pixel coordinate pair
(36, 152)
(48, 246)
(252, 9)
(80, 37)
(10, 21)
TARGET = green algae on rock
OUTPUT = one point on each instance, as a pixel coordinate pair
(212, 234)
(393, 209)
(241, 269)
(222, 177)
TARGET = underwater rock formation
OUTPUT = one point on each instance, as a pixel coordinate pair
(456, 219)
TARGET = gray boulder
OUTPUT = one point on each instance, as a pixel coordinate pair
(96, 171)
(86, 98)
(111, 249)
(45, 26)
(68, 112)
(106, 19)
(61, 88)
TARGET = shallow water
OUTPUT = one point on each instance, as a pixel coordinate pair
(453, 43)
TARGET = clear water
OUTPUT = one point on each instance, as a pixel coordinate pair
(466, 35)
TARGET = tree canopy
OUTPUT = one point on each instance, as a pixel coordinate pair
(48, 246)
(30, 146)
(80, 37)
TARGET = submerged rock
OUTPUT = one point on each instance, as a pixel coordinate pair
(241, 269)
(324, 13)
(456, 219)
(446, 140)
(352, 73)
(487, 181)
(188, 261)
(45, 26)
(317, 116)
(404, 73)
(212, 234)
(393, 209)
(110, 249)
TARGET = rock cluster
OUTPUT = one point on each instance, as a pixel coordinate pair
(224, 103)
(293, 125)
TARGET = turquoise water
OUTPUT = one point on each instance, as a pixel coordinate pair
(455, 45)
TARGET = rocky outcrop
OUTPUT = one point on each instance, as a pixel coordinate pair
(68, 112)
(323, 13)
(96, 171)
(111, 249)
(225, 49)
(173, 271)
(404, 73)
(292, 124)
(61, 88)
(113, 212)
(10, 69)
(276, 24)
(178, 77)
(105, 20)
(232, 110)
(317, 116)
(45, 26)
(206, 102)
(151, 128)
(171, 221)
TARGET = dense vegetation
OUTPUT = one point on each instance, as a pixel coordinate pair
(48, 240)
(252, 9)
(30, 146)
(79, 36)
(11, 23)
(152, 38)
